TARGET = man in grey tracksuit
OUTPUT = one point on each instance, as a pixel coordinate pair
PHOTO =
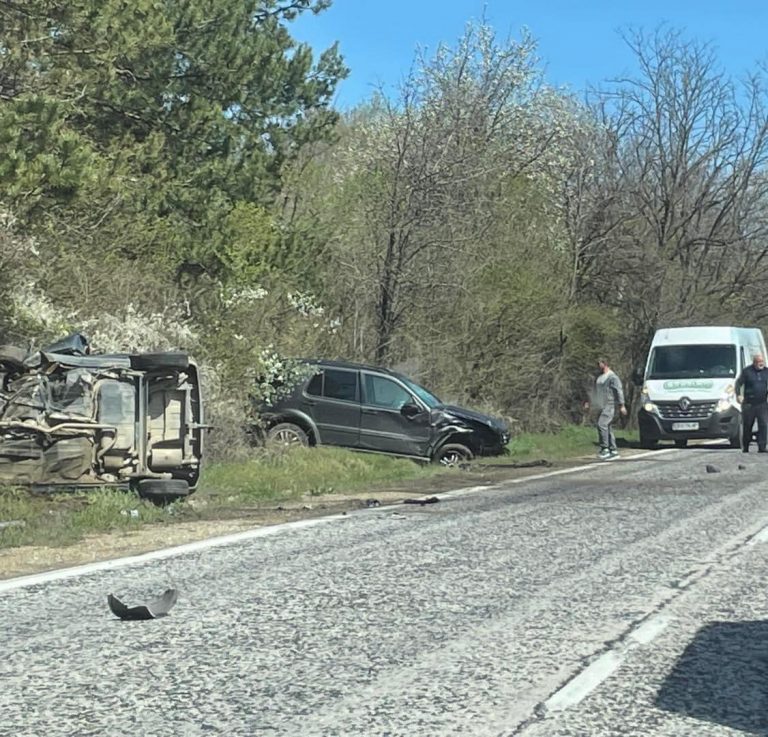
(608, 395)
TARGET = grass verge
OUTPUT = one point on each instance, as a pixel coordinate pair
(226, 490)
(570, 442)
(229, 490)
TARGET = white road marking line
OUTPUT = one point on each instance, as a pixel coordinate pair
(760, 537)
(547, 474)
(585, 682)
(63, 573)
(650, 629)
(193, 547)
(582, 685)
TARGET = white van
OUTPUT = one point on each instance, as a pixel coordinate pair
(688, 383)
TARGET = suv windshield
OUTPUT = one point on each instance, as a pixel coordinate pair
(693, 361)
(423, 394)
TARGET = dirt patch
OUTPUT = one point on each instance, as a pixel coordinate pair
(34, 559)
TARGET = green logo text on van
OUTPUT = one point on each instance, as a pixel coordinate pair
(695, 384)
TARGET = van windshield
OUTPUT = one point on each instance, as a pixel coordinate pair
(693, 361)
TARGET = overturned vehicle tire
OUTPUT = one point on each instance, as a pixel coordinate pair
(157, 361)
(162, 491)
(12, 358)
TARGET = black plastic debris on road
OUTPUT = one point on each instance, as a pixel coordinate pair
(152, 609)
(372, 503)
(712, 469)
(539, 462)
(428, 500)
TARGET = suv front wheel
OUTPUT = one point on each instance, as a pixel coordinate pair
(452, 454)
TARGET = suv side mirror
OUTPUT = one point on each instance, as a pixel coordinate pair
(638, 375)
(410, 410)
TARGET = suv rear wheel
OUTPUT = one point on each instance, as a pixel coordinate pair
(288, 435)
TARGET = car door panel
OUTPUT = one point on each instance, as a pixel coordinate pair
(336, 412)
(383, 426)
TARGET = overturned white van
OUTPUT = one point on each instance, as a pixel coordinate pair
(688, 383)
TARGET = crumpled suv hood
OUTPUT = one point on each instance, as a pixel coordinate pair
(494, 423)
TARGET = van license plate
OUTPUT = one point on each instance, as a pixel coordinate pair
(685, 425)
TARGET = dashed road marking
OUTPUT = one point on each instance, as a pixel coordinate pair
(650, 629)
(579, 687)
(760, 537)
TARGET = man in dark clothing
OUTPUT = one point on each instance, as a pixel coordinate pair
(753, 385)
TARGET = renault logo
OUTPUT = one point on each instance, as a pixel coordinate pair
(685, 403)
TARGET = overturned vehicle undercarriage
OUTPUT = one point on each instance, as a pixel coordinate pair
(75, 419)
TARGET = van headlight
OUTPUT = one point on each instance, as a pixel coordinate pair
(646, 403)
(727, 400)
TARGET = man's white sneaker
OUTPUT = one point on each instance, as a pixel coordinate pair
(604, 455)
(613, 454)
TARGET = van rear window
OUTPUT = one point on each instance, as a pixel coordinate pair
(693, 361)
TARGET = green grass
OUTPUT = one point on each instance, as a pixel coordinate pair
(61, 519)
(226, 489)
(314, 471)
(570, 442)
(65, 518)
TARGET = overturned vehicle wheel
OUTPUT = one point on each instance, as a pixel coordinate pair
(162, 491)
(12, 358)
(160, 361)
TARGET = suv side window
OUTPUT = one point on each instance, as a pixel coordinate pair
(340, 385)
(315, 385)
(383, 392)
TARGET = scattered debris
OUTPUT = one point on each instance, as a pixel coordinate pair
(741, 466)
(712, 469)
(151, 609)
(13, 523)
(422, 502)
(132, 513)
(543, 462)
(372, 503)
(531, 464)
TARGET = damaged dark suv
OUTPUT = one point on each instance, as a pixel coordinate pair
(376, 410)
(70, 418)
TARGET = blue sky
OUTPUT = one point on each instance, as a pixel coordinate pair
(578, 42)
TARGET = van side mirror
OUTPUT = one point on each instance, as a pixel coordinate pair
(638, 375)
(410, 410)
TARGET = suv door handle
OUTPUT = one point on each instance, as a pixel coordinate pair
(370, 411)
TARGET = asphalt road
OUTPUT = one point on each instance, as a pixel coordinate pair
(627, 599)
